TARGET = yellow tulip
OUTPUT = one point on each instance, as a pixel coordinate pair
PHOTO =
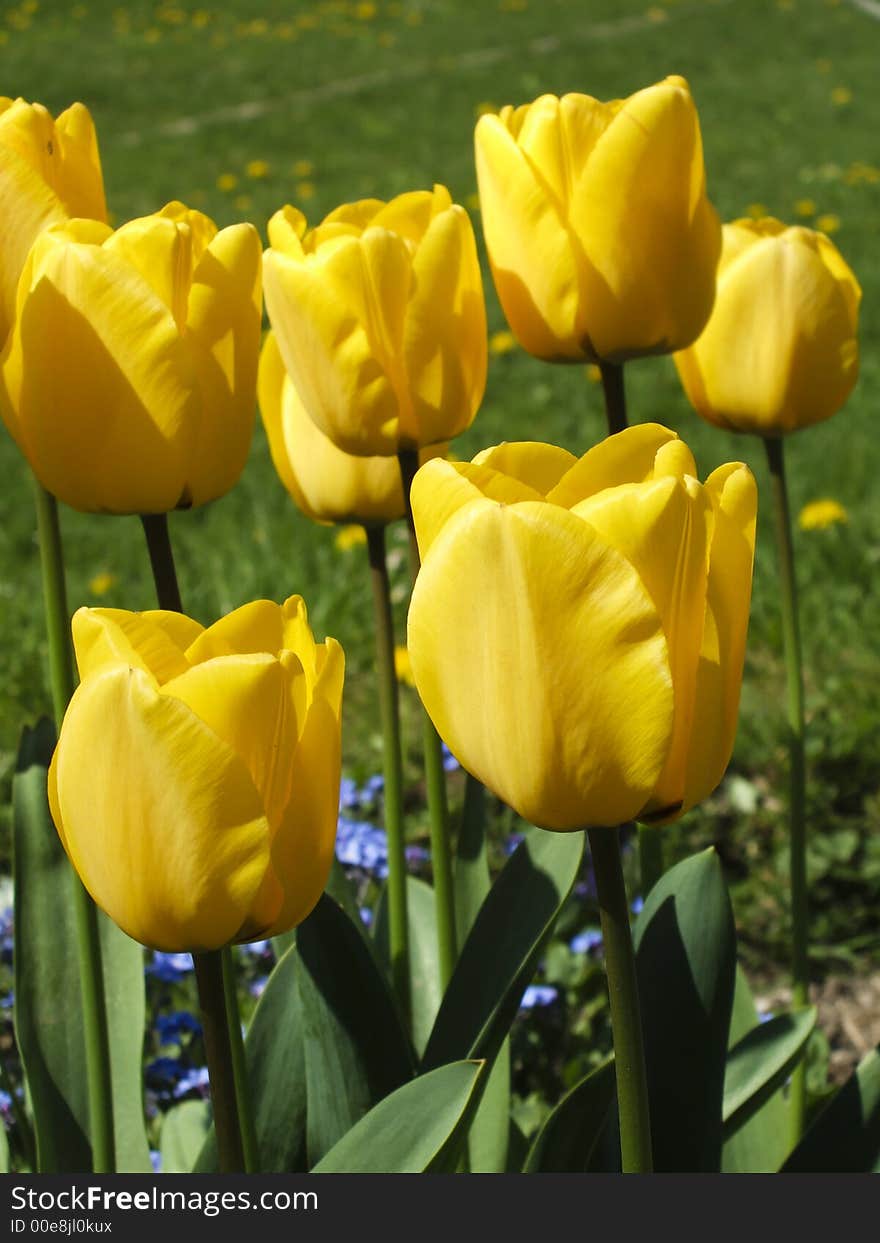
(577, 630)
(49, 171)
(780, 350)
(380, 319)
(602, 243)
(328, 484)
(195, 784)
(129, 378)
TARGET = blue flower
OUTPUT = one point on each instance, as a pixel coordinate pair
(257, 947)
(169, 967)
(584, 942)
(7, 1002)
(417, 854)
(256, 987)
(194, 1080)
(171, 1027)
(165, 1070)
(450, 763)
(637, 905)
(538, 995)
(156, 1160)
(362, 845)
(373, 787)
(5, 1102)
(512, 842)
(366, 915)
(349, 794)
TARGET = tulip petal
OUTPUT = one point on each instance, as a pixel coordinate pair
(734, 499)
(411, 214)
(154, 641)
(541, 466)
(107, 405)
(542, 662)
(628, 457)
(337, 338)
(445, 344)
(158, 793)
(441, 488)
(532, 253)
(651, 237)
(223, 329)
(302, 848)
(249, 703)
(255, 627)
(663, 528)
(160, 250)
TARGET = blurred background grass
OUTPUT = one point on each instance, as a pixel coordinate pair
(237, 108)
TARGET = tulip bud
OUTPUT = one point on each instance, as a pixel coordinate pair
(326, 483)
(195, 784)
(129, 379)
(602, 242)
(49, 171)
(577, 630)
(380, 319)
(780, 350)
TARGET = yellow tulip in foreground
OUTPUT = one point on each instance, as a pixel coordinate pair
(195, 785)
(50, 170)
(602, 242)
(780, 350)
(577, 630)
(326, 483)
(129, 379)
(380, 319)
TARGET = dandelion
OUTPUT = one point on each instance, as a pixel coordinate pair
(825, 512)
(257, 169)
(365, 11)
(841, 95)
(242, 202)
(828, 223)
(402, 666)
(100, 583)
(305, 190)
(303, 168)
(805, 208)
(656, 14)
(350, 537)
(823, 65)
(502, 342)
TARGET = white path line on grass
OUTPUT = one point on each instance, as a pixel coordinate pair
(546, 45)
(871, 7)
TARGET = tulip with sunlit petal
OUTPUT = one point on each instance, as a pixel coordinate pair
(195, 785)
(129, 379)
(577, 630)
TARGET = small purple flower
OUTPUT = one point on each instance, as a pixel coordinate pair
(349, 795)
(156, 1160)
(585, 942)
(512, 842)
(362, 845)
(417, 854)
(373, 787)
(170, 1027)
(450, 763)
(8, 1001)
(537, 995)
(366, 915)
(637, 905)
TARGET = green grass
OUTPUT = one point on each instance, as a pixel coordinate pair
(382, 98)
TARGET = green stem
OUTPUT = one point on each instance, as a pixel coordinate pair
(249, 1143)
(221, 1060)
(392, 767)
(435, 777)
(96, 1034)
(615, 396)
(237, 1113)
(797, 762)
(620, 964)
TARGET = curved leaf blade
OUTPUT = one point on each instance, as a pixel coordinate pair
(845, 1138)
(686, 963)
(420, 1128)
(424, 965)
(183, 1133)
(569, 1137)
(501, 954)
(760, 1063)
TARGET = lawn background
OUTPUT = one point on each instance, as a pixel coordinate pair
(319, 103)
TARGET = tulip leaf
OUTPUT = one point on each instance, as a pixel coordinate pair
(4, 1151)
(570, 1135)
(424, 965)
(356, 1051)
(183, 1133)
(686, 963)
(275, 1058)
(420, 1128)
(760, 1145)
(48, 1009)
(490, 1131)
(760, 1063)
(501, 953)
(845, 1137)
